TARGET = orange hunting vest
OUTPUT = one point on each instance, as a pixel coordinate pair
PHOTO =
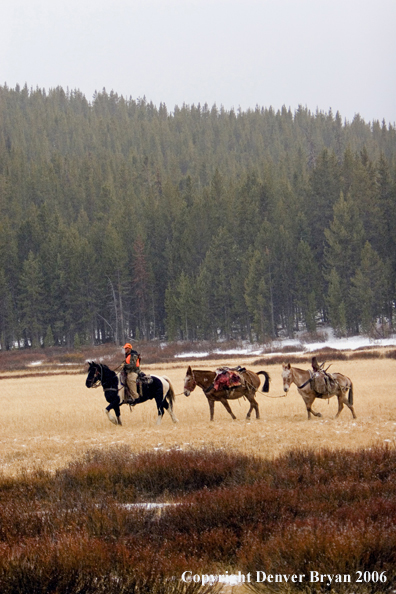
(128, 360)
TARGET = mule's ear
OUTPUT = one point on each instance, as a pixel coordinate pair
(288, 365)
(189, 370)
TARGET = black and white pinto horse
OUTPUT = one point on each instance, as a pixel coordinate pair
(159, 389)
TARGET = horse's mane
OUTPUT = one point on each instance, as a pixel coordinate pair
(107, 372)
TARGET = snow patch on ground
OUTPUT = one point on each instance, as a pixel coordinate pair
(331, 341)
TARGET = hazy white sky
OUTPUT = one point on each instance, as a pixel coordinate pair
(236, 53)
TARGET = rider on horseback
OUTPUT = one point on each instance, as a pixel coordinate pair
(131, 369)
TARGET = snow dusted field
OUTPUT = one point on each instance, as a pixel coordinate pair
(350, 343)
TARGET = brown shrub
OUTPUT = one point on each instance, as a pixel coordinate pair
(334, 512)
(366, 355)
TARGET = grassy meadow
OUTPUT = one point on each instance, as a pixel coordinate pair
(281, 495)
(49, 421)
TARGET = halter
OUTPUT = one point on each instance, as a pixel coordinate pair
(98, 382)
(192, 379)
(205, 390)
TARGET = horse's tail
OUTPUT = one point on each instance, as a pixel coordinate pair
(267, 380)
(350, 394)
(170, 396)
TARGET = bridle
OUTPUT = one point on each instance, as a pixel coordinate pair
(97, 381)
(289, 378)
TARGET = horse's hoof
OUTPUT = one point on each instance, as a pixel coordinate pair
(111, 418)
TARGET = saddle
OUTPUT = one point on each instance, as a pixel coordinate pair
(228, 378)
(143, 378)
(323, 383)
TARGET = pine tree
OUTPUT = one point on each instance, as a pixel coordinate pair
(32, 300)
(142, 288)
(257, 296)
(336, 305)
(185, 306)
(49, 338)
(220, 273)
(308, 282)
(325, 191)
(369, 289)
(345, 240)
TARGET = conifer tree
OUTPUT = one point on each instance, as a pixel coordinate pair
(81, 181)
(257, 296)
(336, 304)
(32, 300)
(308, 282)
(369, 289)
(345, 240)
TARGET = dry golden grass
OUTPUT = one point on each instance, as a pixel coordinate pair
(46, 422)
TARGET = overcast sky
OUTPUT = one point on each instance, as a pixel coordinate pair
(322, 54)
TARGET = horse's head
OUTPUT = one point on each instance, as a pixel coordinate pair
(286, 376)
(189, 382)
(93, 374)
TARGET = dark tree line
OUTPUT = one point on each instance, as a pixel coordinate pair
(120, 219)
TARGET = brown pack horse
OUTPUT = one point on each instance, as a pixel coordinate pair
(301, 378)
(205, 379)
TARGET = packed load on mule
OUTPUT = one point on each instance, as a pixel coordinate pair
(247, 383)
(227, 378)
(322, 383)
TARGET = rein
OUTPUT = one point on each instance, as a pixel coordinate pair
(98, 382)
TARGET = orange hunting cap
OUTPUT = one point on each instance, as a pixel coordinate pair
(127, 346)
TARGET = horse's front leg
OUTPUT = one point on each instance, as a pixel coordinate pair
(310, 411)
(114, 405)
(111, 417)
(211, 407)
(308, 403)
(116, 420)
(224, 402)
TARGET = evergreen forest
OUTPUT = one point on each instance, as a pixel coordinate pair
(124, 220)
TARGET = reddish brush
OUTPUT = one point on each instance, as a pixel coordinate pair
(334, 512)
